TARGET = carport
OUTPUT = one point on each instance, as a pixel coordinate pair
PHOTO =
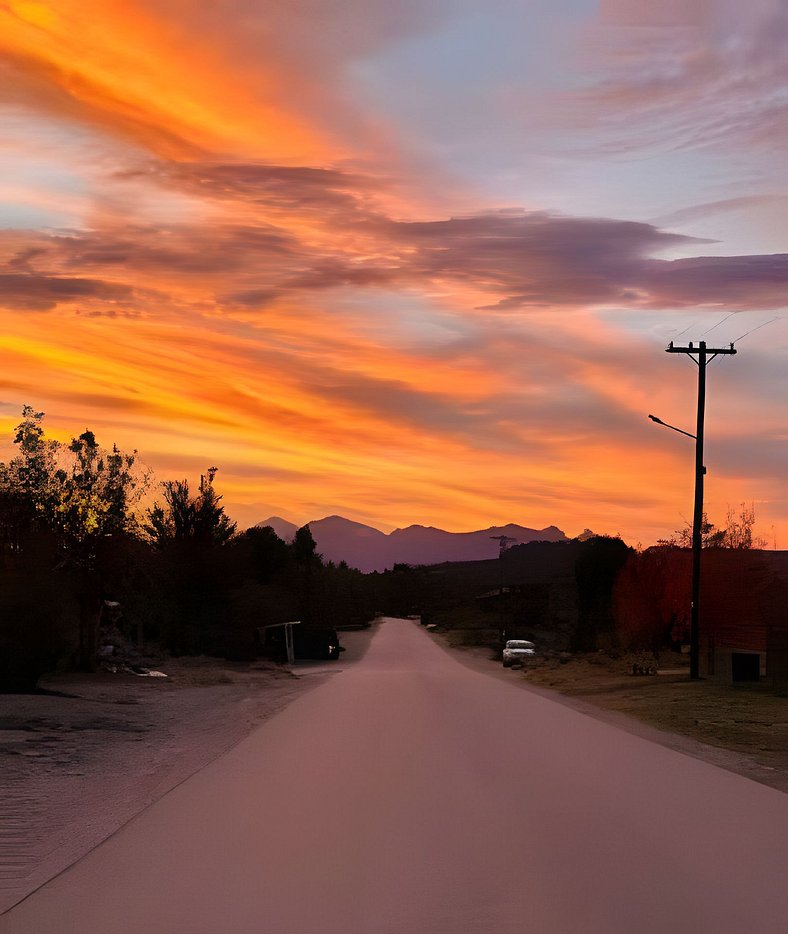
(261, 630)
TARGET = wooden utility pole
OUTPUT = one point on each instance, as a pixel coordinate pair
(503, 543)
(704, 356)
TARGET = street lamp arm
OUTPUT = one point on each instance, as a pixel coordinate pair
(672, 427)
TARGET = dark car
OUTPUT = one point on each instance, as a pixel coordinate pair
(316, 643)
(308, 642)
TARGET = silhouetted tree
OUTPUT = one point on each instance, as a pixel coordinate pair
(737, 532)
(84, 496)
(37, 611)
(598, 563)
(651, 599)
(200, 517)
(259, 554)
(304, 548)
(190, 530)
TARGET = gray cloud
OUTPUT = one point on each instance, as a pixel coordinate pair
(741, 281)
(697, 212)
(183, 249)
(537, 258)
(303, 188)
(520, 259)
(31, 292)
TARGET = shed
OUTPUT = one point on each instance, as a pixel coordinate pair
(744, 616)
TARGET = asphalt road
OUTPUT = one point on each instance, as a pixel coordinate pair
(411, 795)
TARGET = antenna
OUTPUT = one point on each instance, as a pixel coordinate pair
(503, 542)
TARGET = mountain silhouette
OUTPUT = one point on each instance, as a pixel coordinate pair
(369, 549)
(284, 529)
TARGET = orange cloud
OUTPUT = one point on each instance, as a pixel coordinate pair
(139, 73)
(284, 316)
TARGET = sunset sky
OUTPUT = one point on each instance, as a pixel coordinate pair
(408, 261)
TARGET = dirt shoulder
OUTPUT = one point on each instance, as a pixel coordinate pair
(739, 727)
(80, 761)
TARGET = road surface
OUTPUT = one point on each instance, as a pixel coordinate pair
(410, 795)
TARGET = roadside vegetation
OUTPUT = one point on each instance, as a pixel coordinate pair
(86, 561)
(94, 553)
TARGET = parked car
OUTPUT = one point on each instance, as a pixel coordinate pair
(517, 650)
(316, 643)
(308, 642)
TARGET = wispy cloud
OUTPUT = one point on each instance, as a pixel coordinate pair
(301, 314)
(29, 292)
(689, 75)
(508, 259)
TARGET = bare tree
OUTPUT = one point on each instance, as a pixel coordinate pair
(737, 532)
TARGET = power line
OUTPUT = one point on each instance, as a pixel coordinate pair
(686, 329)
(753, 330)
(713, 327)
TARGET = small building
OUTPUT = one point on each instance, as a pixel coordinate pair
(744, 616)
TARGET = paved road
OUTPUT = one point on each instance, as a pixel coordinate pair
(411, 795)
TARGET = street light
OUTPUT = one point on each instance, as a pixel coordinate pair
(679, 430)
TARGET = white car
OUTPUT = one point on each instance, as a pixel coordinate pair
(517, 650)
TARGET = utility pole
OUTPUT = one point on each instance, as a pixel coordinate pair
(503, 543)
(704, 356)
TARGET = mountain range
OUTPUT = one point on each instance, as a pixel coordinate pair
(369, 549)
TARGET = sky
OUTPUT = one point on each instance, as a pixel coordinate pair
(407, 262)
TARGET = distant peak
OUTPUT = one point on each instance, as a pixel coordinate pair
(335, 520)
(284, 529)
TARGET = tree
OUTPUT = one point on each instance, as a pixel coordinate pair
(737, 533)
(25, 482)
(89, 506)
(81, 495)
(38, 615)
(305, 548)
(739, 528)
(652, 599)
(92, 495)
(598, 564)
(259, 554)
(80, 491)
(200, 517)
(189, 532)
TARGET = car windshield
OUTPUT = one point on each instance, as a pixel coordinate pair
(519, 644)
